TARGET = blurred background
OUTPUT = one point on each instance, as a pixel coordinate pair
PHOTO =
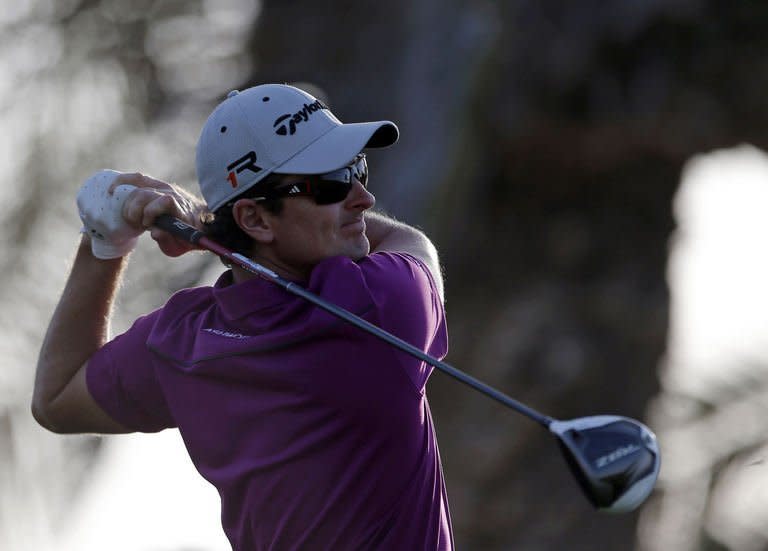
(593, 174)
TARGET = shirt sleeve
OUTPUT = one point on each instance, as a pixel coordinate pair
(122, 379)
(408, 306)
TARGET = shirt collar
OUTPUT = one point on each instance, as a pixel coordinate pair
(237, 300)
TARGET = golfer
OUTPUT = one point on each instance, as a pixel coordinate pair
(316, 434)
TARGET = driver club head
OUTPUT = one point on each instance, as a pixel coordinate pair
(615, 459)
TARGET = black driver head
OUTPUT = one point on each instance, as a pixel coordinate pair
(615, 459)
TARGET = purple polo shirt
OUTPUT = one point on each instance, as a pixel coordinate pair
(316, 434)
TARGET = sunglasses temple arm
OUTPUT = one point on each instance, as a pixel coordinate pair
(184, 231)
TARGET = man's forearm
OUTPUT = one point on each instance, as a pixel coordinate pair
(79, 326)
(383, 230)
(387, 234)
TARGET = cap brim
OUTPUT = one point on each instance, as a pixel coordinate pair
(338, 147)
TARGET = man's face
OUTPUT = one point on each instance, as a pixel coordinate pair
(306, 233)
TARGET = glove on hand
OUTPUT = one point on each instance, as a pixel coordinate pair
(101, 213)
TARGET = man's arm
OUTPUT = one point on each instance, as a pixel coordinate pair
(387, 234)
(79, 327)
(80, 324)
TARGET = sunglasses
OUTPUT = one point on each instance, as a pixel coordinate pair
(325, 189)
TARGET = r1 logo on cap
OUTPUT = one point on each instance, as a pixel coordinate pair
(246, 162)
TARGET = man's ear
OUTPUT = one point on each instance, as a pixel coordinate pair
(254, 220)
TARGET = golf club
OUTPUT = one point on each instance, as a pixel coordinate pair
(615, 459)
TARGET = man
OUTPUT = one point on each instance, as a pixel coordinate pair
(316, 434)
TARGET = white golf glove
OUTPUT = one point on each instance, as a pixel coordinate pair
(101, 213)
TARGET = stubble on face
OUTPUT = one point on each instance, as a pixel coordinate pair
(306, 234)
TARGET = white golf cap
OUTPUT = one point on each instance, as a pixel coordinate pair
(276, 128)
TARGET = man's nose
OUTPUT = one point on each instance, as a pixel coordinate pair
(360, 197)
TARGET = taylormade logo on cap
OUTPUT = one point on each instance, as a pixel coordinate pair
(296, 118)
(276, 128)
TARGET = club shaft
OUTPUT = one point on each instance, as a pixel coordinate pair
(196, 237)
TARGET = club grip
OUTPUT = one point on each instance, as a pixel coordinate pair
(180, 229)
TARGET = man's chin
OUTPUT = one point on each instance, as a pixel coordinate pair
(362, 250)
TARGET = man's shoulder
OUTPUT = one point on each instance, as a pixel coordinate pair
(381, 270)
(398, 268)
(189, 299)
(194, 299)
(182, 306)
(392, 258)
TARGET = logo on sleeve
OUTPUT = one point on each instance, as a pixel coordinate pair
(246, 162)
(223, 333)
(286, 124)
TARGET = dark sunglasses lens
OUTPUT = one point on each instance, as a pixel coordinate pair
(327, 192)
